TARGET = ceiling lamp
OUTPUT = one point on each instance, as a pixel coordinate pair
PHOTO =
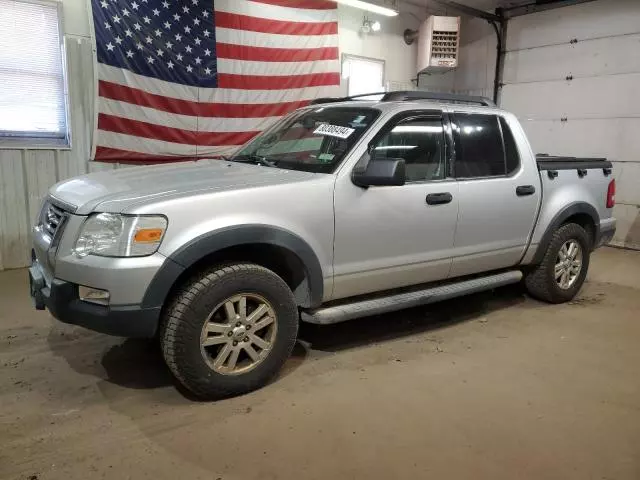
(370, 7)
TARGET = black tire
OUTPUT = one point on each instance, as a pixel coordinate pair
(185, 317)
(540, 281)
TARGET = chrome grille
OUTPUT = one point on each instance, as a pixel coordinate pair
(52, 218)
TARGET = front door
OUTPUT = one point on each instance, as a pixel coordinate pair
(390, 237)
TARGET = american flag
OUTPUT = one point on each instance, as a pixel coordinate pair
(195, 78)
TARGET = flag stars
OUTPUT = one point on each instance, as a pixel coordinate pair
(129, 54)
(195, 2)
(118, 40)
(169, 45)
(110, 46)
(176, 17)
(158, 32)
(104, 4)
(165, 4)
(116, 19)
(197, 41)
(185, 9)
(125, 13)
(149, 39)
(206, 33)
(187, 29)
(179, 57)
(205, 14)
(156, 12)
(150, 60)
(178, 37)
(135, 5)
(107, 25)
(146, 19)
(170, 64)
(159, 52)
(198, 60)
(207, 53)
(128, 32)
(139, 46)
(167, 25)
(196, 21)
(137, 26)
(189, 68)
(188, 49)
(207, 71)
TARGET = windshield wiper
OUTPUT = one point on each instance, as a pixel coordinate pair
(255, 159)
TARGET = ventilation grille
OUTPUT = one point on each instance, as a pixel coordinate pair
(445, 45)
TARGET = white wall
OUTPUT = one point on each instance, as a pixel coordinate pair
(601, 104)
(26, 175)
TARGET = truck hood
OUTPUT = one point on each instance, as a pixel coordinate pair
(119, 190)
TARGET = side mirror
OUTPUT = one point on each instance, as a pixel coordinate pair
(381, 173)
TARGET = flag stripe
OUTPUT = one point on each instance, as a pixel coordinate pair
(270, 40)
(279, 27)
(210, 95)
(136, 96)
(185, 122)
(248, 67)
(265, 54)
(107, 154)
(284, 82)
(310, 4)
(116, 124)
(151, 146)
(270, 11)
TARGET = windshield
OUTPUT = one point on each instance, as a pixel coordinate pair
(313, 140)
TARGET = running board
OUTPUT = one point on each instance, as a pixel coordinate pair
(391, 303)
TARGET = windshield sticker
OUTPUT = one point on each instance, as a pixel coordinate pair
(334, 131)
(326, 157)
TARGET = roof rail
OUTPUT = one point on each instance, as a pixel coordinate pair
(412, 95)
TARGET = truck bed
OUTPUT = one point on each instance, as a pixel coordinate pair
(554, 162)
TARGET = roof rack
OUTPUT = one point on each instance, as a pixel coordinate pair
(411, 95)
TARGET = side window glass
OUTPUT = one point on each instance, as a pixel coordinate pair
(511, 150)
(480, 152)
(420, 143)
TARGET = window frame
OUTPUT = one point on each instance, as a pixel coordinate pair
(430, 114)
(27, 142)
(455, 129)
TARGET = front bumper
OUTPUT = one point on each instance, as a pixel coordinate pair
(62, 300)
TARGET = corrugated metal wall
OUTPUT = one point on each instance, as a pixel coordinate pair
(582, 97)
(26, 175)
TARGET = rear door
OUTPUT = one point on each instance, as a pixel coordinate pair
(498, 193)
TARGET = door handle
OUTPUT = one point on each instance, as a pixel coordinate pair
(524, 190)
(439, 198)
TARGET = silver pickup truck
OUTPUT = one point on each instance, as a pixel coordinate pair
(342, 209)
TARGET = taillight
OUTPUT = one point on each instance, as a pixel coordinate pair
(611, 194)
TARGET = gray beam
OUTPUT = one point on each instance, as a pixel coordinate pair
(535, 8)
(474, 12)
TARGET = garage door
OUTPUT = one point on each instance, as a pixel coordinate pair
(572, 75)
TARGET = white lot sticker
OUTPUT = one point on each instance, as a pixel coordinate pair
(334, 131)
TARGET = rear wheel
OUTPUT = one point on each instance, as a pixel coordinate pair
(228, 331)
(564, 267)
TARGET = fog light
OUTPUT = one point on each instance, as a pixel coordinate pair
(94, 295)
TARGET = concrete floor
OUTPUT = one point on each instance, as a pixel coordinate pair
(487, 387)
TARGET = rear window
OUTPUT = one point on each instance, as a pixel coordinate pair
(479, 148)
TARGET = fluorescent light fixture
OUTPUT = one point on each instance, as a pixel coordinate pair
(375, 26)
(370, 7)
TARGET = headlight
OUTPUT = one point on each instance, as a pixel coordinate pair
(112, 235)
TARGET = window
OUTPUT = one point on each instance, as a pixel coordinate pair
(365, 75)
(480, 152)
(32, 96)
(420, 143)
(313, 140)
(510, 148)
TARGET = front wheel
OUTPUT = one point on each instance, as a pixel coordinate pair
(229, 330)
(564, 267)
